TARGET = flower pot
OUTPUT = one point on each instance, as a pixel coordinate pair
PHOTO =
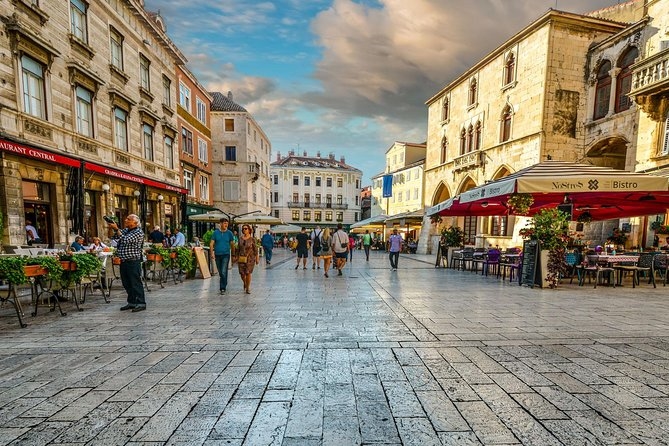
(173, 255)
(34, 271)
(154, 257)
(116, 260)
(68, 265)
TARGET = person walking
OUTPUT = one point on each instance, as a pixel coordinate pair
(351, 247)
(316, 247)
(340, 247)
(302, 248)
(221, 246)
(267, 243)
(326, 250)
(129, 244)
(394, 247)
(248, 257)
(367, 243)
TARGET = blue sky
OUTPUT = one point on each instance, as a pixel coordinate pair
(342, 76)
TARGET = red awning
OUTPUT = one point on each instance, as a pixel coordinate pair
(39, 154)
(132, 177)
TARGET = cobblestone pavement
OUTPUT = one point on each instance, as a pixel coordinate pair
(420, 356)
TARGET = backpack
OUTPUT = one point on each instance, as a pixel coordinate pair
(317, 241)
(325, 247)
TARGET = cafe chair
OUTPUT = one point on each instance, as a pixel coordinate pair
(661, 265)
(490, 261)
(511, 265)
(572, 260)
(644, 265)
(466, 258)
(595, 269)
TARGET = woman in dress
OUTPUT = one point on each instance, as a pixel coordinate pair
(247, 251)
(326, 250)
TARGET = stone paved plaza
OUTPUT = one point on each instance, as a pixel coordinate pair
(421, 356)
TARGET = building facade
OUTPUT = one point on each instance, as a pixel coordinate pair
(195, 148)
(523, 103)
(87, 117)
(310, 191)
(241, 158)
(366, 202)
(405, 162)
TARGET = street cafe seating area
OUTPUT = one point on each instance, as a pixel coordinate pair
(624, 269)
(36, 287)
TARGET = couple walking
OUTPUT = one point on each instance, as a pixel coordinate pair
(222, 246)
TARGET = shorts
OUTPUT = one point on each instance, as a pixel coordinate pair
(302, 253)
(341, 255)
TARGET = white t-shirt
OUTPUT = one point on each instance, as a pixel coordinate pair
(338, 238)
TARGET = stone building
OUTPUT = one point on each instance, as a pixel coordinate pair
(310, 191)
(195, 154)
(87, 117)
(523, 103)
(241, 157)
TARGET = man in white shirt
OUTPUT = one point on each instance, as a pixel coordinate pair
(31, 233)
(340, 248)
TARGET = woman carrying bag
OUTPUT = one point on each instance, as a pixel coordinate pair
(247, 257)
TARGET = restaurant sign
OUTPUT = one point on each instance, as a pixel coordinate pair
(42, 155)
(134, 178)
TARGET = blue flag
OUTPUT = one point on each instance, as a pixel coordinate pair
(387, 186)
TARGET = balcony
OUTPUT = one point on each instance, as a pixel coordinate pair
(310, 205)
(650, 83)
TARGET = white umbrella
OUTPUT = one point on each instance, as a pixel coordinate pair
(213, 216)
(286, 229)
(257, 220)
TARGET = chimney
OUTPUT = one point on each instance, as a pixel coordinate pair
(230, 95)
(278, 156)
(318, 154)
(331, 155)
(305, 153)
(342, 160)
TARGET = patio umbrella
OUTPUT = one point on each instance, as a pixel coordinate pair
(213, 216)
(376, 221)
(257, 220)
(603, 192)
(286, 229)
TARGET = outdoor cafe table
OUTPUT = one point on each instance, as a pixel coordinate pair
(613, 260)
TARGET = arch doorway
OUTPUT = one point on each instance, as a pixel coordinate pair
(608, 152)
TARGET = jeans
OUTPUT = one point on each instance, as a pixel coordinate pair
(394, 258)
(366, 250)
(222, 261)
(268, 254)
(131, 278)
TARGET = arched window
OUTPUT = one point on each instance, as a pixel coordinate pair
(472, 92)
(624, 81)
(505, 131)
(477, 136)
(463, 141)
(602, 91)
(445, 111)
(444, 150)
(470, 138)
(509, 69)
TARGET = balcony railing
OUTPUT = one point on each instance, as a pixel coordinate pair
(650, 77)
(310, 205)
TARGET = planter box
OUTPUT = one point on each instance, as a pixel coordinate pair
(68, 265)
(34, 271)
(154, 257)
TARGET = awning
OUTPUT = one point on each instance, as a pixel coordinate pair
(408, 217)
(132, 177)
(603, 192)
(42, 155)
(286, 229)
(377, 220)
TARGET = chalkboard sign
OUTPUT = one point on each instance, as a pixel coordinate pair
(531, 271)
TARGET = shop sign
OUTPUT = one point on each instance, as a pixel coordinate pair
(43, 155)
(134, 178)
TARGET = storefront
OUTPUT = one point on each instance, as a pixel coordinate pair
(197, 228)
(63, 196)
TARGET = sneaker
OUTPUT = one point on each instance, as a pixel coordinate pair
(339, 272)
(297, 266)
(319, 267)
(304, 267)
(139, 308)
(222, 291)
(326, 275)
(127, 307)
(312, 266)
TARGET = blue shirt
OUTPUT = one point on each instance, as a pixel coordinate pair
(222, 241)
(267, 241)
(396, 243)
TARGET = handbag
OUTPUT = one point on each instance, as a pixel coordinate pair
(241, 259)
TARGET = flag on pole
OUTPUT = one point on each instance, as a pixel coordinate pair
(387, 186)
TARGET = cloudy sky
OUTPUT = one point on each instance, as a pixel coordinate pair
(343, 76)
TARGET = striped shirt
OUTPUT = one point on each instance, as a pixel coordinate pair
(129, 244)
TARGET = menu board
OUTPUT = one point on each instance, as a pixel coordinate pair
(202, 263)
(531, 268)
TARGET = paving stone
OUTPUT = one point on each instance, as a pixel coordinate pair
(488, 427)
(376, 422)
(192, 431)
(341, 430)
(402, 400)
(459, 439)
(269, 424)
(235, 420)
(442, 413)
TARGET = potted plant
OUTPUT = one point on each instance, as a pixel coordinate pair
(584, 217)
(157, 253)
(452, 238)
(551, 228)
(49, 266)
(617, 238)
(184, 258)
(87, 265)
(520, 203)
(11, 269)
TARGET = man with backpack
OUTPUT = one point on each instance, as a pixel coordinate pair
(316, 247)
(340, 248)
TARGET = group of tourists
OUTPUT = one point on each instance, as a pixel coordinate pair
(325, 246)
